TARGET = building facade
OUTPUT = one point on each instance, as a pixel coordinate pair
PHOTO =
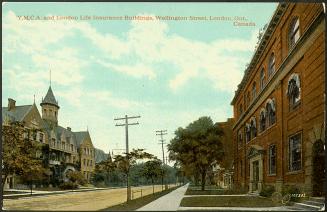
(64, 150)
(279, 104)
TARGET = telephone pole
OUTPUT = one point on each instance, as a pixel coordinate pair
(126, 124)
(161, 133)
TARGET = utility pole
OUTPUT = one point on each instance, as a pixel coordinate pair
(161, 133)
(126, 124)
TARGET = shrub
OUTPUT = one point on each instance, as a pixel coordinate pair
(267, 191)
(68, 185)
(293, 191)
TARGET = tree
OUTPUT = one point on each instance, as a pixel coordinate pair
(108, 166)
(198, 147)
(151, 170)
(124, 163)
(20, 154)
(76, 177)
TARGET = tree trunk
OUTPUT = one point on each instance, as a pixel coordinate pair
(152, 185)
(4, 181)
(203, 180)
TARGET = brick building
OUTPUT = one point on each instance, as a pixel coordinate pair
(279, 104)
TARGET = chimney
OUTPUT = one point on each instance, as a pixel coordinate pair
(69, 129)
(11, 104)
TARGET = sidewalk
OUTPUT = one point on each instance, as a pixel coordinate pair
(169, 202)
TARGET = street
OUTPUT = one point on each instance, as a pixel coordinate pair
(90, 200)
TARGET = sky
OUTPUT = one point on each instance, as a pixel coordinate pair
(168, 72)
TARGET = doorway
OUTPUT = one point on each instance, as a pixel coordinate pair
(255, 175)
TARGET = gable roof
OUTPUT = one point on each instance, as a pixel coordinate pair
(49, 98)
(17, 113)
(80, 136)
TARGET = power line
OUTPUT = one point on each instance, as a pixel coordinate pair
(126, 124)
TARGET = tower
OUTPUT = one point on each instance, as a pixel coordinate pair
(50, 107)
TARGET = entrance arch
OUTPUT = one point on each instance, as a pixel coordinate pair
(255, 156)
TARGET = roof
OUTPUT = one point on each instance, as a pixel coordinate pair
(17, 113)
(80, 136)
(100, 155)
(49, 98)
(261, 47)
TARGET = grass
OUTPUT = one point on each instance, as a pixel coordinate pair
(212, 190)
(225, 201)
(15, 192)
(139, 202)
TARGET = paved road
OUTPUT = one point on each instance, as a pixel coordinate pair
(169, 202)
(81, 201)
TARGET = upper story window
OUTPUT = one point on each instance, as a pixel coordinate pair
(295, 153)
(253, 124)
(248, 99)
(240, 109)
(262, 79)
(41, 137)
(294, 90)
(262, 120)
(294, 32)
(247, 130)
(254, 90)
(271, 112)
(72, 147)
(271, 67)
(240, 138)
(53, 142)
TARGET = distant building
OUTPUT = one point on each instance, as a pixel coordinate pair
(279, 104)
(65, 150)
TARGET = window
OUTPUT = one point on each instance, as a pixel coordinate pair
(271, 112)
(241, 169)
(272, 159)
(262, 79)
(63, 145)
(271, 68)
(295, 152)
(72, 147)
(91, 162)
(294, 90)
(56, 114)
(241, 109)
(240, 138)
(84, 162)
(41, 137)
(247, 130)
(253, 124)
(248, 98)
(254, 91)
(34, 135)
(262, 120)
(53, 142)
(294, 33)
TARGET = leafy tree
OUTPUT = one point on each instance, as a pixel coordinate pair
(198, 147)
(124, 163)
(108, 166)
(76, 177)
(20, 154)
(151, 170)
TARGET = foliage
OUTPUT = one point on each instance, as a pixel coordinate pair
(76, 177)
(197, 147)
(293, 190)
(68, 185)
(151, 170)
(267, 191)
(20, 154)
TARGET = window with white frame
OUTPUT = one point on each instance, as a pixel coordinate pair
(294, 32)
(295, 152)
(254, 90)
(262, 120)
(262, 79)
(271, 112)
(271, 67)
(294, 90)
(240, 138)
(253, 124)
(272, 159)
(247, 130)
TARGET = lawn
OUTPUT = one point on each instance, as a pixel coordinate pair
(227, 201)
(139, 202)
(212, 190)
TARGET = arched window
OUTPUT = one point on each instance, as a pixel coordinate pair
(241, 109)
(271, 112)
(248, 99)
(253, 126)
(294, 32)
(254, 90)
(294, 90)
(262, 120)
(271, 67)
(247, 130)
(262, 79)
(240, 138)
